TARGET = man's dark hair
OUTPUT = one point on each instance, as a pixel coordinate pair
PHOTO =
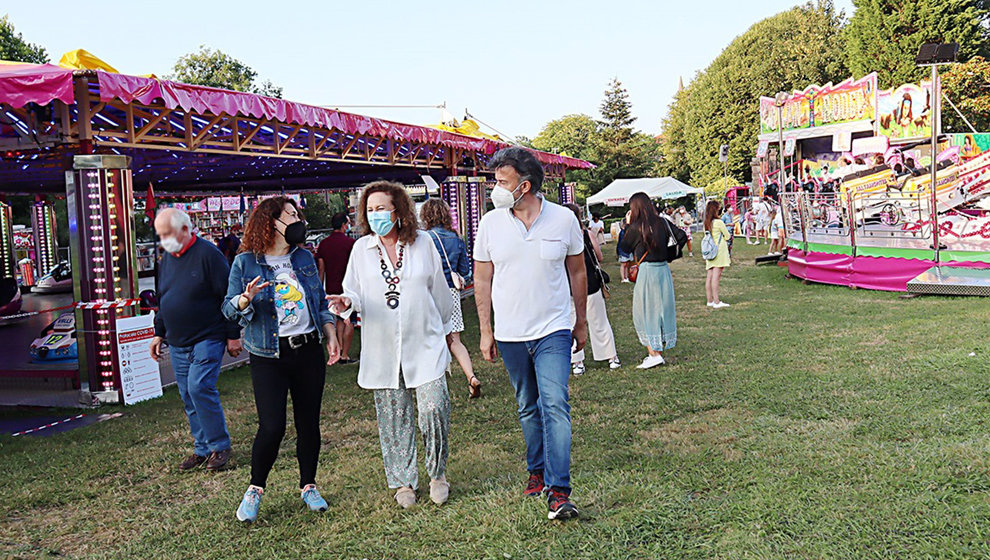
(523, 161)
(338, 220)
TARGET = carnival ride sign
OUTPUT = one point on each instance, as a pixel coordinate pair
(846, 102)
(904, 114)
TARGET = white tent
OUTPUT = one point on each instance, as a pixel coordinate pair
(617, 193)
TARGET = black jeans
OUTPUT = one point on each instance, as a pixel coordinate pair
(300, 373)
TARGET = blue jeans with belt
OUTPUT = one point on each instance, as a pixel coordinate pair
(197, 369)
(539, 371)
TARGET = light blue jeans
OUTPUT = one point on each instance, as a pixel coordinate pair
(197, 369)
(539, 371)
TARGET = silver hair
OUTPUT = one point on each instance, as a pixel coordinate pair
(179, 220)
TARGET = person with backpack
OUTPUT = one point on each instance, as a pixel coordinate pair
(715, 250)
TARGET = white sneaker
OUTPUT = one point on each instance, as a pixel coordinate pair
(578, 368)
(614, 363)
(710, 304)
(651, 361)
(720, 305)
(626, 281)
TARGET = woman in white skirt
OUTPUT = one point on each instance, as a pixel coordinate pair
(435, 219)
(599, 329)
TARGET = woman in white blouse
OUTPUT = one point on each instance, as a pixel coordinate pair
(395, 280)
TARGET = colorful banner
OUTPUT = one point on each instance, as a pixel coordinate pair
(904, 114)
(849, 101)
(845, 102)
(970, 145)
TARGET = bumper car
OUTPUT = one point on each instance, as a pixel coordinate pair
(57, 342)
(10, 297)
(59, 280)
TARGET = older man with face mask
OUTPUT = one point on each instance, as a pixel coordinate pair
(192, 282)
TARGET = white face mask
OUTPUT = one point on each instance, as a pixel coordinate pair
(171, 244)
(503, 197)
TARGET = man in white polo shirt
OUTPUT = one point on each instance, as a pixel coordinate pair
(524, 252)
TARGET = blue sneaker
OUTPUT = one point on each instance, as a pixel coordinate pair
(312, 498)
(248, 510)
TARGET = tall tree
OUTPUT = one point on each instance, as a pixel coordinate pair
(884, 36)
(673, 143)
(217, 69)
(616, 109)
(14, 48)
(618, 150)
(721, 105)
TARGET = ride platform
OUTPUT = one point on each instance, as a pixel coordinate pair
(951, 281)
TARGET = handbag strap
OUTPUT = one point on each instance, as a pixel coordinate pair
(444, 249)
(594, 259)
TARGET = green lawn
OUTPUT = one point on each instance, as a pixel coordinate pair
(805, 421)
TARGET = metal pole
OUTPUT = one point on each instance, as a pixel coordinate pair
(850, 220)
(934, 169)
(780, 145)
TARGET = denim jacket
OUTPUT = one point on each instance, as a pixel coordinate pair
(456, 253)
(258, 318)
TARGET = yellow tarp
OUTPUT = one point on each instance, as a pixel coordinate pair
(81, 59)
(467, 127)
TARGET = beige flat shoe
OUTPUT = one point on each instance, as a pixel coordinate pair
(405, 497)
(439, 490)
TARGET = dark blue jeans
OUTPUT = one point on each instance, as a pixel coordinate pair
(539, 372)
(197, 368)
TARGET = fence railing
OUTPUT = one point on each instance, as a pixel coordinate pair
(879, 219)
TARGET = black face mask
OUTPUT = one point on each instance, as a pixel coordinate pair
(295, 233)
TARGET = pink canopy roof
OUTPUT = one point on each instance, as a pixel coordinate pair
(21, 84)
(29, 83)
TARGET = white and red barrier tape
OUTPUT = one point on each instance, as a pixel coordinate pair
(79, 305)
(52, 425)
(107, 304)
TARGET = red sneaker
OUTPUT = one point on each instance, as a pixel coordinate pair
(560, 506)
(535, 487)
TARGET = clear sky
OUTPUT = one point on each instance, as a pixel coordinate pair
(513, 64)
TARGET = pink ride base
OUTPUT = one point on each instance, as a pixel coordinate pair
(872, 273)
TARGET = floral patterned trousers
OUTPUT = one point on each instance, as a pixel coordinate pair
(398, 433)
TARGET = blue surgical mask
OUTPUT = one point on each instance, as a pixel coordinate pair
(381, 222)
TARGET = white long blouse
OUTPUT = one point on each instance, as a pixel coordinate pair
(410, 338)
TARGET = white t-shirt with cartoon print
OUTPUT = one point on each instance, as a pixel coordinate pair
(290, 298)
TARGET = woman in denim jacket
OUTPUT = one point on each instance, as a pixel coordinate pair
(275, 293)
(435, 218)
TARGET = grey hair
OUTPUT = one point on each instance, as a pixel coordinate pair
(523, 161)
(179, 220)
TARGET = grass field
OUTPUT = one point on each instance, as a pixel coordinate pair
(805, 421)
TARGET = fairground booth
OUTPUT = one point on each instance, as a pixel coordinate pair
(858, 204)
(105, 140)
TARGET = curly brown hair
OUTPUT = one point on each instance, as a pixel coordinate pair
(435, 213)
(405, 213)
(259, 232)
